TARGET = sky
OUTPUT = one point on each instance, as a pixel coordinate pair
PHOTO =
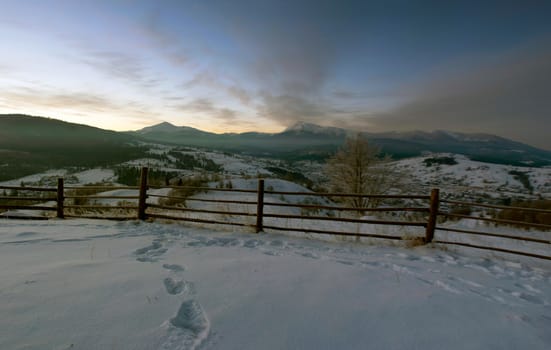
(263, 65)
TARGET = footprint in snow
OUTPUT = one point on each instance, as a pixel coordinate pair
(309, 255)
(271, 253)
(277, 243)
(529, 288)
(345, 262)
(188, 329)
(371, 264)
(151, 253)
(26, 234)
(174, 287)
(252, 243)
(532, 299)
(174, 267)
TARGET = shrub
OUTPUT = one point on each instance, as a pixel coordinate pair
(523, 178)
(86, 191)
(439, 160)
(186, 191)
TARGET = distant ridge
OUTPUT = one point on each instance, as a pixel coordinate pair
(302, 141)
(31, 144)
(305, 140)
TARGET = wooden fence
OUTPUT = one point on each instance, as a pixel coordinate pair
(73, 201)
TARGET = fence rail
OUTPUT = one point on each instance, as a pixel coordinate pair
(493, 206)
(72, 203)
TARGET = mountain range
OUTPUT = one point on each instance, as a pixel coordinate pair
(310, 141)
(30, 144)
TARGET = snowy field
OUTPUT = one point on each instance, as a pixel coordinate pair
(474, 177)
(88, 284)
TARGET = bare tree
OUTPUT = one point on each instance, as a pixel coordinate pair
(357, 168)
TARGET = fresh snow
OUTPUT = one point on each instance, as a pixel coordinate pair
(469, 177)
(85, 284)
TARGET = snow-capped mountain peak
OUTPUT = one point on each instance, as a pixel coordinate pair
(304, 127)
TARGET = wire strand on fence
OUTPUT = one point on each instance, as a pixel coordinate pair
(494, 249)
(202, 189)
(313, 206)
(101, 217)
(359, 221)
(337, 233)
(102, 197)
(42, 199)
(222, 212)
(107, 207)
(489, 234)
(202, 199)
(203, 221)
(25, 188)
(492, 206)
(356, 195)
(29, 207)
(108, 188)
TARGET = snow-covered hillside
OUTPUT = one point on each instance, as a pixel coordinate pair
(79, 284)
(464, 179)
(472, 178)
(461, 179)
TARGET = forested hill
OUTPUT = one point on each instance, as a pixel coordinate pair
(29, 144)
(31, 133)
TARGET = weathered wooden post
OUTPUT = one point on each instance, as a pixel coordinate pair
(143, 194)
(60, 198)
(260, 206)
(433, 213)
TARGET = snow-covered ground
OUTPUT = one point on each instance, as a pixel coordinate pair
(49, 178)
(84, 284)
(469, 177)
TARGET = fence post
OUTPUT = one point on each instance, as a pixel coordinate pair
(143, 194)
(60, 198)
(433, 213)
(260, 206)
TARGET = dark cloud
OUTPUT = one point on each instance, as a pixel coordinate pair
(290, 51)
(227, 115)
(206, 106)
(294, 69)
(346, 94)
(119, 65)
(508, 96)
(197, 105)
(169, 44)
(201, 79)
(212, 81)
(289, 108)
(51, 99)
(239, 93)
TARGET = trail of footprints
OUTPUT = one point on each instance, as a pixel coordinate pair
(190, 327)
(407, 264)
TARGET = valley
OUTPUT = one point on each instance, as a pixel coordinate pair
(108, 158)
